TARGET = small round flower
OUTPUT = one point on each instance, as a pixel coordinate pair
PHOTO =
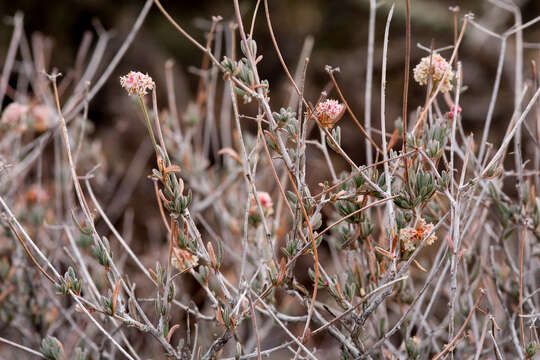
(266, 202)
(439, 66)
(43, 117)
(267, 207)
(137, 83)
(13, 114)
(329, 112)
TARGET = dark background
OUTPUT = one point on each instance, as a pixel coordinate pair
(339, 29)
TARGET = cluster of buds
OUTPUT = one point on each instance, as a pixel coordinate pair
(102, 253)
(243, 71)
(173, 196)
(422, 186)
(329, 112)
(342, 297)
(410, 237)
(284, 116)
(432, 139)
(453, 110)
(434, 67)
(224, 316)
(136, 83)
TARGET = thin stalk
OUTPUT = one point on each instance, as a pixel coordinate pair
(148, 124)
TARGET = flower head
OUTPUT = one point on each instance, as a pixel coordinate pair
(434, 66)
(267, 207)
(412, 236)
(43, 117)
(407, 236)
(266, 202)
(329, 112)
(137, 83)
(424, 230)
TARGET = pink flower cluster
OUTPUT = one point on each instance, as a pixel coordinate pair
(264, 199)
(412, 236)
(329, 111)
(13, 113)
(266, 203)
(137, 83)
(23, 117)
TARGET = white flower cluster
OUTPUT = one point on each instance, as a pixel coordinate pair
(410, 237)
(439, 66)
(137, 83)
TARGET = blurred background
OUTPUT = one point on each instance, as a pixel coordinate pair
(340, 32)
(339, 29)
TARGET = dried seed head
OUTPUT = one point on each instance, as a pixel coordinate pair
(137, 83)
